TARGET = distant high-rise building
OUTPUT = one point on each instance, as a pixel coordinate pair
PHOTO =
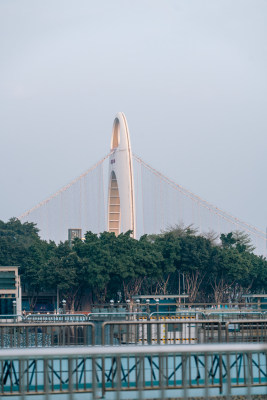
(74, 233)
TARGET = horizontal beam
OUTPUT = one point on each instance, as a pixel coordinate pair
(48, 353)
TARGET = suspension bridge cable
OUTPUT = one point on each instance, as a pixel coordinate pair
(64, 188)
(228, 217)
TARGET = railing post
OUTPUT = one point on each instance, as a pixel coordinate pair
(22, 378)
(157, 308)
(184, 375)
(118, 380)
(128, 309)
(70, 376)
(219, 331)
(138, 307)
(228, 375)
(45, 363)
(140, 374)
(111, 309)
(221, 373)
(147, 307)
(103, 378)
(249, 374)
(14, 303)
(94, 384)
(64, 308)
(227, 332)
(148, 324)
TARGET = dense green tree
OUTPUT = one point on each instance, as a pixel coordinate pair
(227, 240)
(243, 242)
(96, 262)
(136, 261)
(169, 246)
(104, 265)
(21, 245)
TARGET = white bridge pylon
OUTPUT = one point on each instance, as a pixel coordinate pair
(118, 198)
(121, 202)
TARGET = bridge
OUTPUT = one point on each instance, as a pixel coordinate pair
(143, 354)
(128, 193)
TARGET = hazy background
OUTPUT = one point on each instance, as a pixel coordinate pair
(189, 75)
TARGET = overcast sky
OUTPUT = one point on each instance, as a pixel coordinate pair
(190, 76)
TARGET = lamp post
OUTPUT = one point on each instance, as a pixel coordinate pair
(111, 308)
(128, 305)
(157, 305)
(128, 308)
(147, 305)
(14, 303)
(138, 305)
(119, 296)
(64, 306)
(148, 326)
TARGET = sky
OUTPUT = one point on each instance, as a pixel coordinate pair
(190, 76)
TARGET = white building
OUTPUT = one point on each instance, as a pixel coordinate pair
(10, 290)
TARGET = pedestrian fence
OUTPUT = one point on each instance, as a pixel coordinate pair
(241, 314)
(119, 314)
(164, 331)
(55, 318)
(135, 372)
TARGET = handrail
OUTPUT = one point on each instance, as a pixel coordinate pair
(98, 371)
(238, 323)
(117, 314)
(232, 312)
(55, 317)
(158, 323)
(54, 352)
(11, 316)
(48, 324)
(179, 312)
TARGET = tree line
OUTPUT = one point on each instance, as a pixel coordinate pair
(104, 267)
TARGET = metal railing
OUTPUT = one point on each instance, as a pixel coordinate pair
(184, 304)
(118, 316)
(142, 332)
(165, 332)
(55, 318)
(145, 371)
(112, 313)
(246, 331)
(47, 335)
(7, 318)
(228, 315)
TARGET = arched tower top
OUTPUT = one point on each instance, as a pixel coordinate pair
(120, 134)
(115, 139)
(121, 204)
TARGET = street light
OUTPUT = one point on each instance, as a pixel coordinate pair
(137, 304)
(157, 305)
(147, 305)
(14, 307)
(64, 306)
(128, 305)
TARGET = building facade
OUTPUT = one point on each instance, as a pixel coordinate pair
(10, 290)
